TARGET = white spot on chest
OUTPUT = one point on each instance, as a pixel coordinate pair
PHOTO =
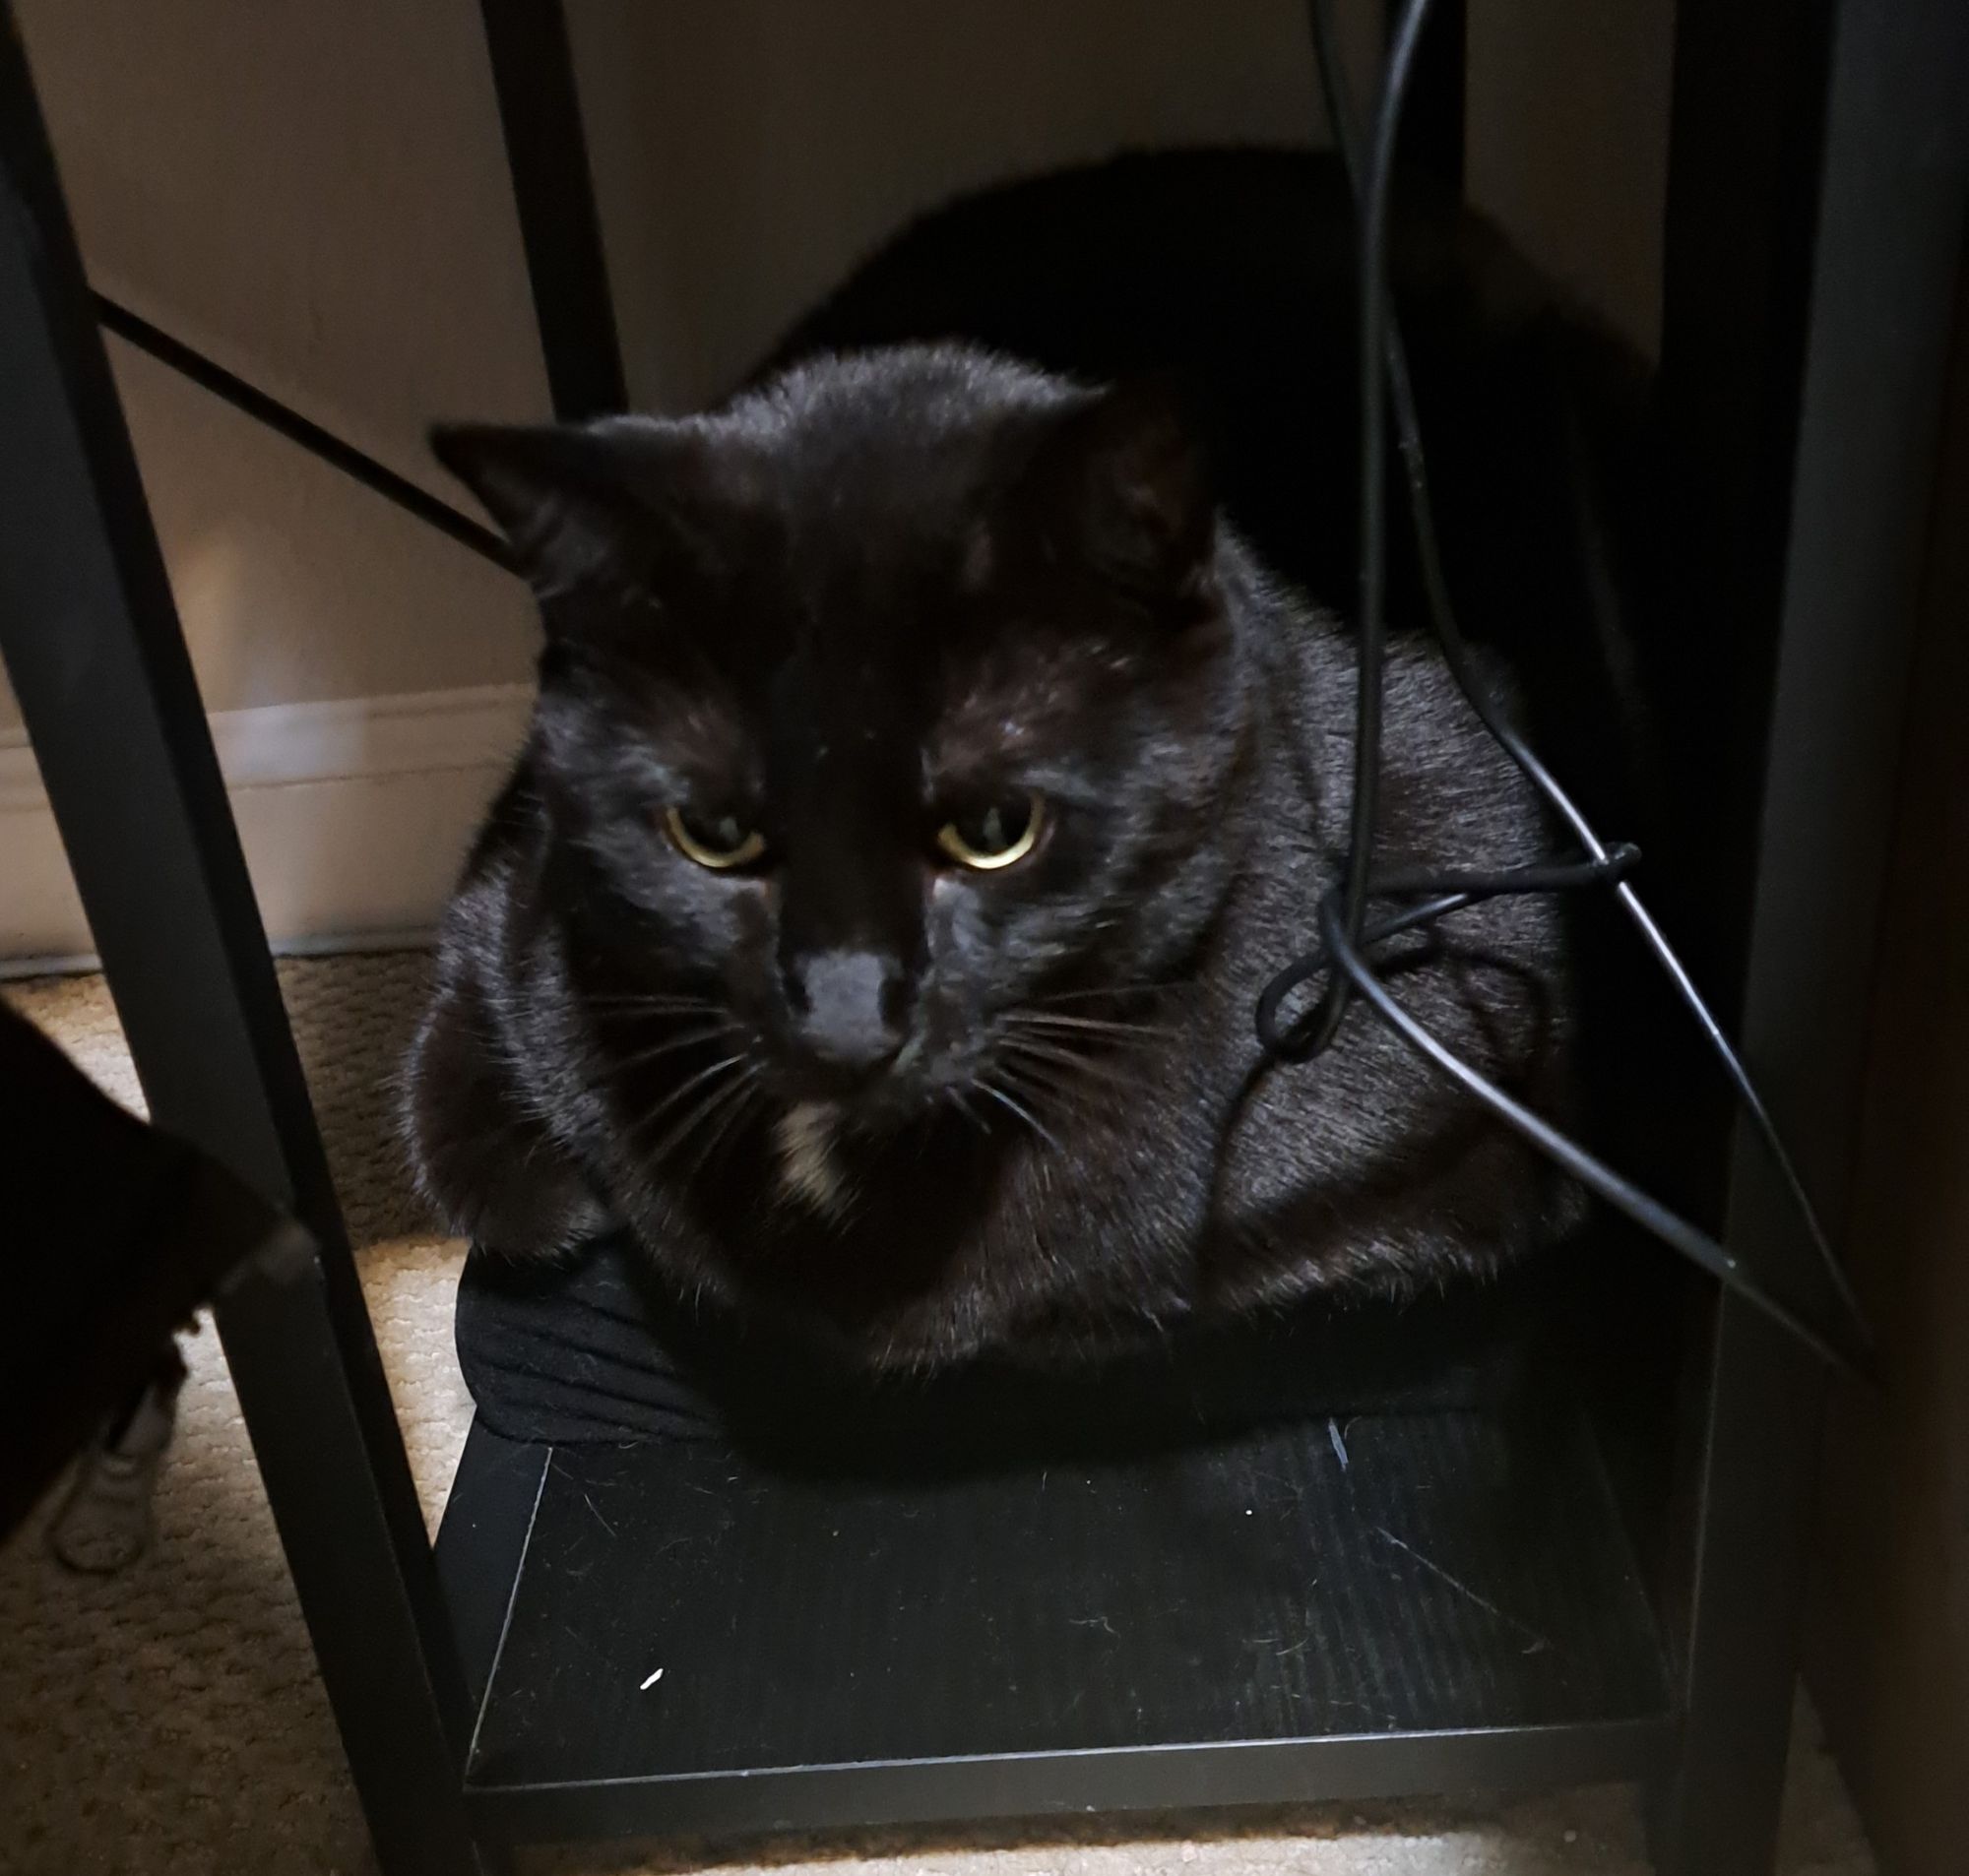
(807, 1169)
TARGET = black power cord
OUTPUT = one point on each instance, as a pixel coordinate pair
(323, 445)
(1345, 929)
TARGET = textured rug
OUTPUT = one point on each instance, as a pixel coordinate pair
(169, 1719)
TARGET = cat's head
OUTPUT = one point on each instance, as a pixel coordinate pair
(882, 709)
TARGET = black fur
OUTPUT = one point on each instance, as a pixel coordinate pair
(1232, 273)
(862, 598)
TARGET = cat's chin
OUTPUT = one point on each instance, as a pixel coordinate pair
(808, 1146)
(821, 1147)
(820, 1144)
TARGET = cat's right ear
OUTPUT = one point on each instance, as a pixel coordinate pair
(1120, 486)
(559, 494)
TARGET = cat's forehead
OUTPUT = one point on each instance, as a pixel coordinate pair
(856, 455)
(889, 668)
(903, 401)
(859, 495)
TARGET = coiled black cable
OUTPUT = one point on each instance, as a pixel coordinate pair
(1346, 931)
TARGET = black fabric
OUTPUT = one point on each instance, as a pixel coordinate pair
(591, 1351)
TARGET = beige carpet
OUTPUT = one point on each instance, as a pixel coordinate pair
(169, 1719)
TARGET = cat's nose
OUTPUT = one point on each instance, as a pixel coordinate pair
(847, 1008)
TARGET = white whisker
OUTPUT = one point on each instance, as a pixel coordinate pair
(1091, 1025)
(1083, 1097)
(1117, 992)
(955, 1096)
(734, 1098)
(639, 1005)
(1004, 1100)
(1093, 1067)
(683, 1088)
(707, 1107)
(671, 1045)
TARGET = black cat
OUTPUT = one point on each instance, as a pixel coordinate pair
(923, 783)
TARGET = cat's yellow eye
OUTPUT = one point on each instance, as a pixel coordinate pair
(720, 842)
(999, 834)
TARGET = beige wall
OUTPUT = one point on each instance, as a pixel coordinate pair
(747, 152)
(296, 582)
(315, 195)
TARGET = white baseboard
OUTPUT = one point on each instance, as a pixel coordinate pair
(354, 817)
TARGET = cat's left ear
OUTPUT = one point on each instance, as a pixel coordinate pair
(587, 508)
(1124, 489)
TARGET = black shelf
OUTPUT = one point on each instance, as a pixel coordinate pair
(1245, 1622)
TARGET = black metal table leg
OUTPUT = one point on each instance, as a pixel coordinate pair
(553, 190)
(1818, 179)
(92, 646)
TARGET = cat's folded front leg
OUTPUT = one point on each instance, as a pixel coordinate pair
(483, 1157)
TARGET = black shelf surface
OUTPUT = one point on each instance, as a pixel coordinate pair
(1251, 1621)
